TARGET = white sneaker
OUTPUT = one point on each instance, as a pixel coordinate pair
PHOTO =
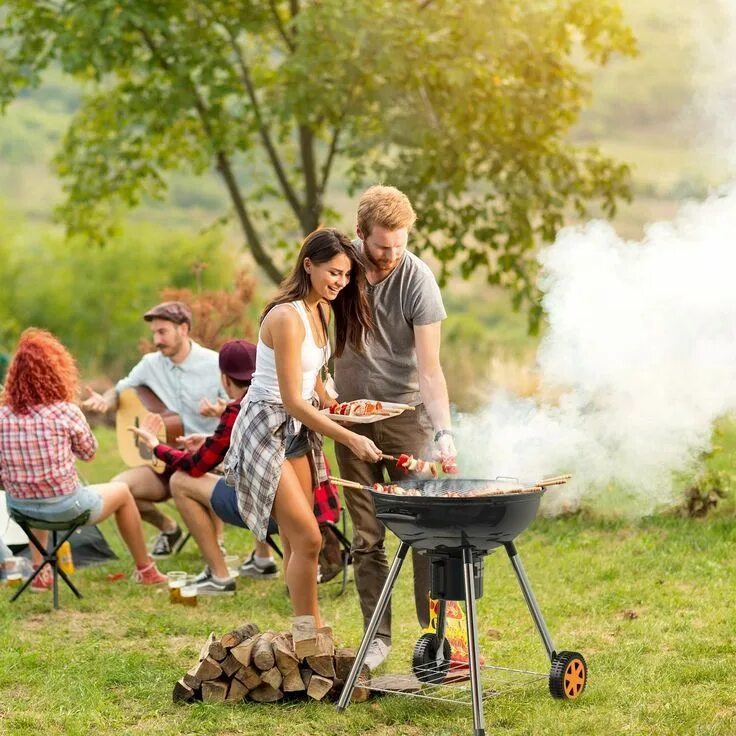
(377, 653)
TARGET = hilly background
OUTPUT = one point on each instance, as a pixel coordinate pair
(651, 112)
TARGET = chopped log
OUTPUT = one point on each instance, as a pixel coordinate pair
(182, 692)
(360, 694)
(265, 694)
(208, 669)
(214, 691)
(318, 687)
(249, 676)
(206, 648)
(244, 651)
(293, 682)
(272, 677)
(323, 662)
(236, 636)
(230, 665)
(191, 678)
(304, 633)
(236, 692)
(397, 683)
(263, 657)
(344, 659)
(306, 674)
(217, 651)
(286, 660)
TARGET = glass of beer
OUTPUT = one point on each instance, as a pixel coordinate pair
(233, 563)
(14, 572)
(188, 595)
(177, 580)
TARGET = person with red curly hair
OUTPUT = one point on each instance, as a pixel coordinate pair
(42, 430)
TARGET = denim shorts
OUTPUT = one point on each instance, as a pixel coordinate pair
(61, 508)
(224, 502)
(297, 445)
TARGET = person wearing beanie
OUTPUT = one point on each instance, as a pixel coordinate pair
(198, 492)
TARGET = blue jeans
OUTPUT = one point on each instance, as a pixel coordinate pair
(61, 508)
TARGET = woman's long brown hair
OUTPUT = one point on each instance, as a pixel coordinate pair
(353, 319)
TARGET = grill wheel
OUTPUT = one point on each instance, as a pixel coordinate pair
(568, 676)
(424, 662)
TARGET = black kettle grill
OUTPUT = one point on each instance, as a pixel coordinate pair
(456, 533)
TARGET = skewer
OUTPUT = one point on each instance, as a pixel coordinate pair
(558, 480)
(349, 484)
(389, 457)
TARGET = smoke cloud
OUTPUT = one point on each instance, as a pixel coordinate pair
(640, 349)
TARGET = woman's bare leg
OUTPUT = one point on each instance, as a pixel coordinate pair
(43, 537)
(117, 499)
(300, 533)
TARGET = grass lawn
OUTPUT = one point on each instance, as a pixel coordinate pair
(650, 604)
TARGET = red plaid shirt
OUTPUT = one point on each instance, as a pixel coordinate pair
(37, 450)
(210, 454)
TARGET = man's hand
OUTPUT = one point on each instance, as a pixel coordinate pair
(192, 442)
(95, 401)
(149, 430)
(446, 453)
(208, 409)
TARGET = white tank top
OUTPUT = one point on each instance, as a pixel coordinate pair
(265, 382)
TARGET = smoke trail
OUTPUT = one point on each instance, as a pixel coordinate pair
(642, 345)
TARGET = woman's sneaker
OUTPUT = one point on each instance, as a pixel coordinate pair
(148, 575)
(166, 543)
(43, 581)
(252, 568)
(211, 586)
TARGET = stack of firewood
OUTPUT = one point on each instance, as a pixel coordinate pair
(247, 664)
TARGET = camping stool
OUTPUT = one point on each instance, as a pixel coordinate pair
(50, 556)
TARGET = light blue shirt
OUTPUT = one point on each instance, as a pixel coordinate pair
(181, 386)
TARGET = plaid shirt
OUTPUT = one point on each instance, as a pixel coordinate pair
(326, 500)
(210, 454)
(255, 458)
(37, 450)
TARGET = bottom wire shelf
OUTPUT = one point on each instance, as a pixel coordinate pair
(456, 687)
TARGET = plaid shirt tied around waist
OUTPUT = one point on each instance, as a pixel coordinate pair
(255, 458)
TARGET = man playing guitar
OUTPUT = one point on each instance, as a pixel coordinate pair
(186, 377)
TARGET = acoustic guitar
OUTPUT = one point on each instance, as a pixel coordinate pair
(133, 405)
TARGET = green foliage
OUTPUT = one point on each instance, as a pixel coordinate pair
(465, 105)
(93, 298)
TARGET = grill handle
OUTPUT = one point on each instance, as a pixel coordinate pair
(393, 516)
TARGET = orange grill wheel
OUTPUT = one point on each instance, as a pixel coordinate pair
(568, 676)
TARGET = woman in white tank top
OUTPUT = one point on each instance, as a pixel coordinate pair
(275, 451)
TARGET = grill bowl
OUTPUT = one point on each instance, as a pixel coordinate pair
(440, 525)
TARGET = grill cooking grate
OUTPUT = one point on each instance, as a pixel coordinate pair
(456, 688)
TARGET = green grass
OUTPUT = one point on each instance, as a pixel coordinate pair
(650, 604)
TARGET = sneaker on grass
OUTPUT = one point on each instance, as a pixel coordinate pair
(148, 575)
(206, 574)
(43, 581)
(213, 586)
(377, 653)
(166, 543)
(253, 568)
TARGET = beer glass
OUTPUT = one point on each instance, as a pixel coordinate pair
(233, 563)
(177, 580)
(188, 595)
(14, 572)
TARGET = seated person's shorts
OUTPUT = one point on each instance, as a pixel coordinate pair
(224, 500)
(60, 508)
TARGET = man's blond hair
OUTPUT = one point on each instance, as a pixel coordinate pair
(385, 206)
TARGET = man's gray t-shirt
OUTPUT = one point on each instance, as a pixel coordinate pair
(387, 369)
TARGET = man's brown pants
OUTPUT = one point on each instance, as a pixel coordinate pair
(410, 432)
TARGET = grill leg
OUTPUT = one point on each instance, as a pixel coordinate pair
(474, 653)
(370, 632)
(531, 601)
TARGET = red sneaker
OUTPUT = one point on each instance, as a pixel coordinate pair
(149, 575)
(43, 581)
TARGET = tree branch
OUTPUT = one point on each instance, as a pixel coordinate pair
(273, 155)
(280, 25)
(312, 206)
(225, 168)
(327, 166)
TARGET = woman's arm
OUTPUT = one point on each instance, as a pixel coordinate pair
(283, 330)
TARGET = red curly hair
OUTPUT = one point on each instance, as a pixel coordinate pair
(41, 372)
